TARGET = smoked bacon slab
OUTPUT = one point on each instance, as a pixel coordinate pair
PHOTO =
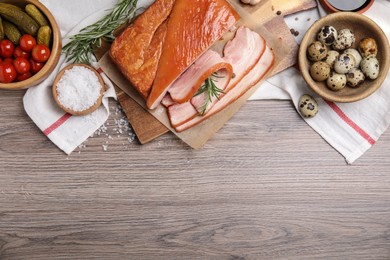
(137, 50)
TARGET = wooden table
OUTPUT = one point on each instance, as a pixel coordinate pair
(265, 187)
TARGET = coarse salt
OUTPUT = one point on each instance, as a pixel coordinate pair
(78, 89)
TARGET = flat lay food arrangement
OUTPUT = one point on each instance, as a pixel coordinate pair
(191, 72)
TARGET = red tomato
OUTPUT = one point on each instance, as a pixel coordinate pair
(27, 42)
(22, 65)
(6, 48)
(40, 53)
(8, 60)
(7, 73)
(35, 66)
(18, 52)
(24, 76)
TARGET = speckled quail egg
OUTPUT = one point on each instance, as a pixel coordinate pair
(320, 71)
(355, 77)
(356, 55)
(344, 40)
(368, 47)
(370, 67)
(331, 57)
(344, 63)
(316, 51)
(336, 81)
(308, 106)
(327, 35)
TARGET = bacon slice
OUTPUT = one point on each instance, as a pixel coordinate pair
(193, 26)
(181, 113)
(167, 101)
(137, 50)
(221, 80)
(186, 86)
(251, 79)
(243, 52)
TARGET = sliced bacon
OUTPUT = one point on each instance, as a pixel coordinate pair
(246, 41)
(181, 113)
(186, 86)
(167, 101)
(221, 80)
(243, 52)
(251, 79)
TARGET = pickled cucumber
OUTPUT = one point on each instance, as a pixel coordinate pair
(44, 35)
(19, 18)
(37, 15)
(12, 32)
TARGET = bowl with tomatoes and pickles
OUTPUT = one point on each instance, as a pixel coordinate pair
(30, 43)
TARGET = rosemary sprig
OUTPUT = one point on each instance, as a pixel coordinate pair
(80, 47)
(212, 91)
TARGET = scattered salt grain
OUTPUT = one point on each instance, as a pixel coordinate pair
(78, 89)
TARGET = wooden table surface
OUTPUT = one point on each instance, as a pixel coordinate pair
(265, 187)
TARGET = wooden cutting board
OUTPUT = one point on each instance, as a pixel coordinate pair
(271, 13)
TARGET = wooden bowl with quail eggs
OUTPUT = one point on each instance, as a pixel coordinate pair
(343, 57)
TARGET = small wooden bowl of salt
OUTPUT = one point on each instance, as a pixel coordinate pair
(78, 89)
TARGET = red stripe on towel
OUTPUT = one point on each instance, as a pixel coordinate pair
(349, 121)
(57, 124)
(100, 70)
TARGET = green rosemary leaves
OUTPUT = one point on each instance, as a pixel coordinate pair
(80, 47)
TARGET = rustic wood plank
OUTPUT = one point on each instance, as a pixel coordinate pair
(265, 187)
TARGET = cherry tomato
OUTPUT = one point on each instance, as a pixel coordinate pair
(22, 65)
(18, 52)
(24, 76)
(8, 60)
(35, 66)
(27, 42)
(6, 48)
(7, 73)
(40, 53)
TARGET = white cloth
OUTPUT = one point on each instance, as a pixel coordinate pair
(350, 128)
(66, 131)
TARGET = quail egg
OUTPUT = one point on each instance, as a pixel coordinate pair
(355, 54)
(307, 106)
(344, 63)
(331, 57)
(370, 67)
(336, 81)
(320, 71)
(316, 51)
(355, 77)
(327, 35)
(344, 40)
(368, 47)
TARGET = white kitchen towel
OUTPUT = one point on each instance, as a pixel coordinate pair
(63, 129)
(351, 128)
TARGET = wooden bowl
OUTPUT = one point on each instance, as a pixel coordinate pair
(70, 111)
(362, 27)
(55, 48)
